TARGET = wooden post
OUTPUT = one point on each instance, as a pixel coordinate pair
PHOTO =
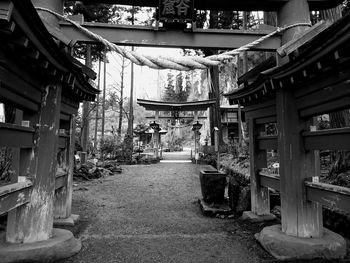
(156, 142)
(240, 131)
(63, 196)
(104, 96)
(299, 217)
(217, 145)
(16, 151)
(97, 105)
(86, 114)
(33, 222)
(260, 198)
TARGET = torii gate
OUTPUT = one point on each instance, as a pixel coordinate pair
(289, 12)
(175, 108)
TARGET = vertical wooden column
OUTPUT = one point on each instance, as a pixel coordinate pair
(70, 166)
(156, 142)
(260, 198)
(299, 217)
(63, 196)
(33, 222)
(16, 151)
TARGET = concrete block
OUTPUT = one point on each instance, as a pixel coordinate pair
(330, 246)
(254, 218)
(61, 245)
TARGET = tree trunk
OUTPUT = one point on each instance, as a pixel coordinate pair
(121, 101)
(86, 107)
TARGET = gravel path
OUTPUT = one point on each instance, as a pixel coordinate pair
(149, 213)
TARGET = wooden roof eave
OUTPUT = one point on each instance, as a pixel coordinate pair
(311, 53)
(169, 106)
(26, 16)
(56, 33)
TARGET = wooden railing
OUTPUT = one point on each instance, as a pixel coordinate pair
(331, 196)
(12, 135)
(14, 195)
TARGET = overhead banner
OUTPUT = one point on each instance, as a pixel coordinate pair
(176, 10)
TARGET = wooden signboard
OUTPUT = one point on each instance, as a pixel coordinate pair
(176, 10)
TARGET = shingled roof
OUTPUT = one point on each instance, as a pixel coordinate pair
(325, 53)
(31, 45)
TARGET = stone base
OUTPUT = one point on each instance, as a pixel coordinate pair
(214, 209)
(70, 221)
(283, 247)
(254, 218)
(61, 245)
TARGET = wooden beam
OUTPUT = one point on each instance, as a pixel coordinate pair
(268, 142)
(328, 107)
(266, 120)
(16, 84)
(330, 139)
(271, 181)
(331, 196)
(180, 117)
(262, 113)
(152, 37)
(17, 100)
(68, 109)
(323, 95)
(6, 8)
(324, 81)
(12, 135)
(8, 29)
(61, 180)
(14, 195)
(227, 5)
(63, 141)
(64, 117)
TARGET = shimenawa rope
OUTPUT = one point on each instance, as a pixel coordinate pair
(184, 63)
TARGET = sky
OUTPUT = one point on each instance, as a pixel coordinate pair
(147, 81)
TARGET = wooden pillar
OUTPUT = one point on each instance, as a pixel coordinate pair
(156, 142)
(299, 217)
(63, 197)
(33, 222)
(260, 198)
(16, 152)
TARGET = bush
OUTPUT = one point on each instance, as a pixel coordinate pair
(5, 165)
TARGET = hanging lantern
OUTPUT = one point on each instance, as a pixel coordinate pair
(176, 114)
(196, 127)
(154, 126)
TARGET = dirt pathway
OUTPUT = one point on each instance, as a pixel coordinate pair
(150, 214)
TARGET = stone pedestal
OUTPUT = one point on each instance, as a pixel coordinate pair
(330, 246)
(61, 245)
